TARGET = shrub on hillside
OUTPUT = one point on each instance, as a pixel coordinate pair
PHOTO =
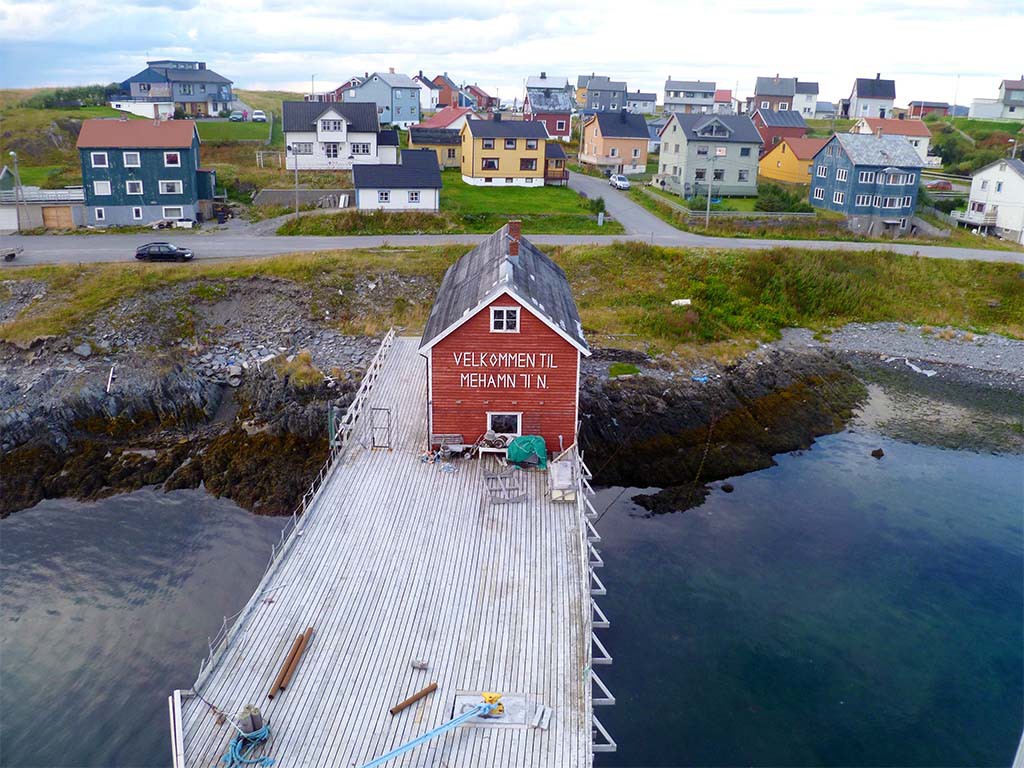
(775, 199)
(78, 96)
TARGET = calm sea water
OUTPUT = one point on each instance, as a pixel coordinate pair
(105, 608)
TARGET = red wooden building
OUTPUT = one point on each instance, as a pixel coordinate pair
(774, 126)
(503, 345)
(551, 106)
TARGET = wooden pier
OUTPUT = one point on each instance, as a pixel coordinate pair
(396, 562)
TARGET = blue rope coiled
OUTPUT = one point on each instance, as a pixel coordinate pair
(243, 745)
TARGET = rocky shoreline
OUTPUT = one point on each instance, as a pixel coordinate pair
(232, 395)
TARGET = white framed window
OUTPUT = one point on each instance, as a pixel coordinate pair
(984, 184)
(699, 174)
(892, 202)
(908, 201)
(383, 196)
(172, 159)
(912, 178)
(510, 143)
(531, 143)
(745, 151)
(302, 148)
(863, 201)
(505, 423)
(560, 125)
(487, 143)
(170, 187)
(743, 175)
(828, 150)
(414, 196)
(903, 223)
(451, 153)
(331, 150)
(488, 163)
(173, 212)
(783, 105)
(137, 213)
(878, 200)
(701, 150)
(101, 187)
(838, 197)
(999, 186)
(866, 177)
(819, 193)
(361, 148)
(133, 187)
(614, 152)
(766, 105)
(131, 160)
(841, 174)
(328, 126)
(98, 159)
(100, 214)
(504, 319)
(822, 172)
(636, 152)
(718, 174)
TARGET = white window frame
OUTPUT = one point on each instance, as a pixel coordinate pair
(743, 175)
(842, 174)
(484, 160)
(867, 177)
(822, 172)
(487, 143)
(878, 201)
(908, 201)
(505, 309)
(984, 184)
(636, 152)
(94, 155)
(179, 208)
(128, 187)
(838, 198)
(413, 196)
(383, 195)
(302, 148)
(999, 186)
(519, 421)
(511, 143)
(560, 125)
(99, 214)
(136, 164)
(863, 201)
(766, 105)
(172, 165)
(819, 193)
(331, 151)
(912, 178)
(180, 187)
(613, 152)
(783, 106)
(136, 213)
(96, 186)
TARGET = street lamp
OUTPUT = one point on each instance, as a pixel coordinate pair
(1013, 154)
(19, 192)
(295, 158)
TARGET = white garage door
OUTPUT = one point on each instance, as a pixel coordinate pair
(8, 218)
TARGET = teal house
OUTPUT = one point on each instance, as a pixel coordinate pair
(136, 172)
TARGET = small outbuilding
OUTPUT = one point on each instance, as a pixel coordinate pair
(412, 185)
(503, 345)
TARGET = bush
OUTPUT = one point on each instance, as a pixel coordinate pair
(950, 204)
(78, 96)
(179, 113)
(773, 198)
(596, 205)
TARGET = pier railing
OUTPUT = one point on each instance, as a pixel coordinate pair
(340, 435)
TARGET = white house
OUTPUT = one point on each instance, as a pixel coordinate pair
(872, 98)
(1009, 105)
(429, 93)
(996, 203)
(414, 184)
(335, 135)
(914, 131)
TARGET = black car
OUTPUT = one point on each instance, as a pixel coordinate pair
(162, 252)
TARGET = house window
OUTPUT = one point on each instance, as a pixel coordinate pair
(510, 143)
(489, 164)
(488, 180)
(504, 423)
(137, 213)
(508, 179)
(451, 153)
(719, 174)
(765, 104)
(984, 185)
(903, 223)
(131, 160)
(560, 125)
(99, 159)
(908, 201)
(488, 143)
(186, 89)
(172, 159)
(636, 152)
(819, 193)
(745, 151)
(505, 319)
(302, 148)
(743, 176)
(398, 110)
(700, 174)
(528, 164)
(383, 196)
(330, 125)
(892, 202)
(863, 201)
(911, 178)
(838, 197)
(867, 177)
(841, 174)
(614, 152)
(822, 172)
(361, 148)
(414, 196)
(701, 151)
(173, 212)
(828, 150)
(783, 105)
(999, 186)
(133, 187)
(170, 187)
(101, 187)
(531, 143)
(878, 200)
(100, 214)
(331, 150)
(529, 179)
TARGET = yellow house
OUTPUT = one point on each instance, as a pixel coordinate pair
(503, 152)
(446, 142)
(790, 160)
(616, 141)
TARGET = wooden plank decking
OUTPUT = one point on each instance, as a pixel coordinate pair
(398, 560)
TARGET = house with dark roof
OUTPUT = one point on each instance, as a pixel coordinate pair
(397, 97)
(996, 204)
(782, 94)
(553, 82)
(483, 99)
(773, 126)
(503, 345)
(599, 93)
(555, 159)
(551, 106)
(169, 85)
(616, 141)
(871, 179)
(1009, 105)
(689, 96)
(335, 135)
(446, 143)
(871, 97)
(914, 131)
(502, 152)
(451, 94)
(136, 172)
(918, 109)
(825, 110)
(430, 94)
(412, 184)
(699, 152)
(640, 102)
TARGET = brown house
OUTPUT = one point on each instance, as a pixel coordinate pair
(616, 141)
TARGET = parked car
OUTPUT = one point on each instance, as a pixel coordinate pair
(618, 181)
(163, 252)
(939, 185)
(236, 117)
(259, 116)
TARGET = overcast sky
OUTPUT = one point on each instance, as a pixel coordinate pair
(278, 44)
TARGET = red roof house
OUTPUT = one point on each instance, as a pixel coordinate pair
(776, 125)
(483, 99)
(449, 117)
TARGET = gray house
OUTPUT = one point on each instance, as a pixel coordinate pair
(689, 96)
(186, 85)
(698, 150)
(600, 94)
(397, 97)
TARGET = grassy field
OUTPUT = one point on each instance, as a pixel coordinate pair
(268, 101)
(221, 132)
(459, 197)
(979, 129)
(624, 291)
(823, 128)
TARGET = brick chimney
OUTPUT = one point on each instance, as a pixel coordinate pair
(543, 75)
(391, 70)
(514, 231)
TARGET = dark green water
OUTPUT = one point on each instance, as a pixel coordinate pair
(833, 610)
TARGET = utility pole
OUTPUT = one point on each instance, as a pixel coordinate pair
(1013, 153)
(295, 161)
(707, 214)
(312, 87)
(956, 92)
(19, 192)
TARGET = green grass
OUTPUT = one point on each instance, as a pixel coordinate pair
(824, 128)
(38, 176)
(727, 204)
(459, 197)
(624, 291)
(227, 131)
(979, 129)
(622, 369)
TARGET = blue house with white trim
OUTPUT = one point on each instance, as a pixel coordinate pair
(397, 97)
(871, 179)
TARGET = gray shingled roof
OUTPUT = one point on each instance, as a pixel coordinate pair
(689, 85)
(548, 81)
(507, 129)
(807, 88)
(824, 106)
(388, 137)
(621, 125)
(1016, 165)
(395, 79)
(868, 149)
(641, 96)
(191, 75)
(741, 129)
(785, 118)
(531, 275)
(549, 100)
(775, 86)
(434, 135)
(553, 150)
(302, 115)
(875, 88)
(418, 170)
(603, 83)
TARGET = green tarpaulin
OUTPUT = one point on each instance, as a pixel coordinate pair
(528, 450)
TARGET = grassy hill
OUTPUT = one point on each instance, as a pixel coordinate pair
(268, 101)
